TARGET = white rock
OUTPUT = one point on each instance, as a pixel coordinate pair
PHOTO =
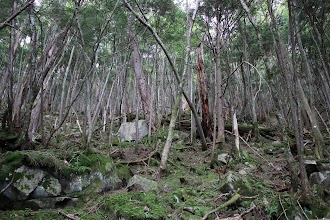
(127, 131)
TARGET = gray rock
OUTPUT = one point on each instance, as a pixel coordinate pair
(105, 182)
(46, 203)
(322, 179)
(323, 167)
(29, 179)
(127, 131)
(310, 166)
(78, 183)
(111, 182)
(224, 158)
(139, 183)
(49, 187)
(10, 193)
(233, 181)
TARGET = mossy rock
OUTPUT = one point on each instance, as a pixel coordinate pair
(9, 163)
(135, 206)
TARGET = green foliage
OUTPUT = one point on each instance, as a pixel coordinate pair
(135, 206)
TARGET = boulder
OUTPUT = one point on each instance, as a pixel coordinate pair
(310, 166)
(323, 166)
(127, 131)
(233, 181)
(139, 183)
(101, 182)
(224, 158)
(27, 182)
(322, 179)
(46, 203)
(49, 187)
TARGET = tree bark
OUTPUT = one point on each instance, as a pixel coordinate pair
(218, 88)
(144, 89)
(176, 106)
(203, 93)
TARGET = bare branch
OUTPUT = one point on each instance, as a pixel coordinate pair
(6, 22)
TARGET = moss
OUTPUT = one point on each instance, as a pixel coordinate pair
(86, 163)
(29, 214)
(9, 163)
(124, 173)
(135, 206)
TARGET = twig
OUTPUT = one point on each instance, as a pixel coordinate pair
(229, 202)
(6, 22)
(325, 124)
(11, 182)
(302, 209)
(248, 211)
(279, 198)
(220, 196)
(69, 216)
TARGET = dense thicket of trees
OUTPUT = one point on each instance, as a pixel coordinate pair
(85, 60)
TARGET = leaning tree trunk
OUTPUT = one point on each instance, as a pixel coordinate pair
(203, 92)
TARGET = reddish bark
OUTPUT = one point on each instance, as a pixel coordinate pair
(203, 92)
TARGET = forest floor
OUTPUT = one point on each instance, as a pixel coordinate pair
(256, 185)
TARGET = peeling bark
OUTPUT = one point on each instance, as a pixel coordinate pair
(203, 92)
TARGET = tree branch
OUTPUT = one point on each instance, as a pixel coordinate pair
(229, 202)
(6, 22)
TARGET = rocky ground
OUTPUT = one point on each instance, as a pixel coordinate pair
(123, 181)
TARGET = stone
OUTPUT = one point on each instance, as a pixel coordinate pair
(139, 183)
(77, 184)
(322, 179)
(224, 158)
(29, 179)
(310, 166)
(49, 187)
(127, 131)
(323, 166)
(105, 182)
(111, 182)
(233, 181)
(46, 203)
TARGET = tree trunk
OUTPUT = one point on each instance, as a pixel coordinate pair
(176, 106)
(142, 83)
(289, 69)
(219, 99)
(203, 93)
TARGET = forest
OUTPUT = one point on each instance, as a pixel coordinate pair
(165, 109)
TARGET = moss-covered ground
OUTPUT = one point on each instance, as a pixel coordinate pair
(190, 188)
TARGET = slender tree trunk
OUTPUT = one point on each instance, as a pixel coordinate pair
(175, 108)
(318, 138)
(288, 68)
(218, 88)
